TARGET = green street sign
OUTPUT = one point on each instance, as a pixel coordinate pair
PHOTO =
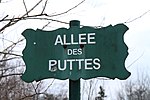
(75, 53)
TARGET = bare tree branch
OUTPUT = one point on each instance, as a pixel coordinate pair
(10, 75)
(35, 89)
(13, 20)
(4, 18)
(29, 96)
(49, 85)
(8, 50)
(7, 53)
(138, 17)
(44, 7)
(46, 25)
(10, 23)
(135, 60)
(10, 68)
(67, 10)
(25, 7)
(6, 40)
(32, 8)
(9, 59)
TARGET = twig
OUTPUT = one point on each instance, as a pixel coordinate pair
(135, 60)
(137, 17)
(10, 75)
(25, 7)
(9, 59)
(4, 18)
(38, 84)
(6, 40)
(7, 25)
(46, 25)
(68, 9)
(28, 96)
(7, 53)
(13, 21)
(11, 46)
(44, 7)
(34, 88)
(48, 19)
(9, 68)
(49, 85)
(32, 8)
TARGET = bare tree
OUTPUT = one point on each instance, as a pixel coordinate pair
(135, 90)
(11, 65)
(42, 15)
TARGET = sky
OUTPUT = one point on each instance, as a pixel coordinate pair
(92, 13)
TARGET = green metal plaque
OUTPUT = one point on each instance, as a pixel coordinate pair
(75, 53)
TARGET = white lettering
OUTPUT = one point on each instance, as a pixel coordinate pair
(72, 39)
(52, 64)
(91, 38)
(82, 38)
(64, 67)
(74, 51)
(88, 64)
(79, 51)
(96, 62)
(58, 40)
(65, 41)
(88, 38)
(79, 61)
(70, 61)
(69, 51)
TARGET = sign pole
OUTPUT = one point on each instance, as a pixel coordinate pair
(74, 90)
(74, 85)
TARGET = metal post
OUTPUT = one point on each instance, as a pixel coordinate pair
(74, 85)
(74, 90)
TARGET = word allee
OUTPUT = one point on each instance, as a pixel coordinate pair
(87, 64)
(69, 39)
